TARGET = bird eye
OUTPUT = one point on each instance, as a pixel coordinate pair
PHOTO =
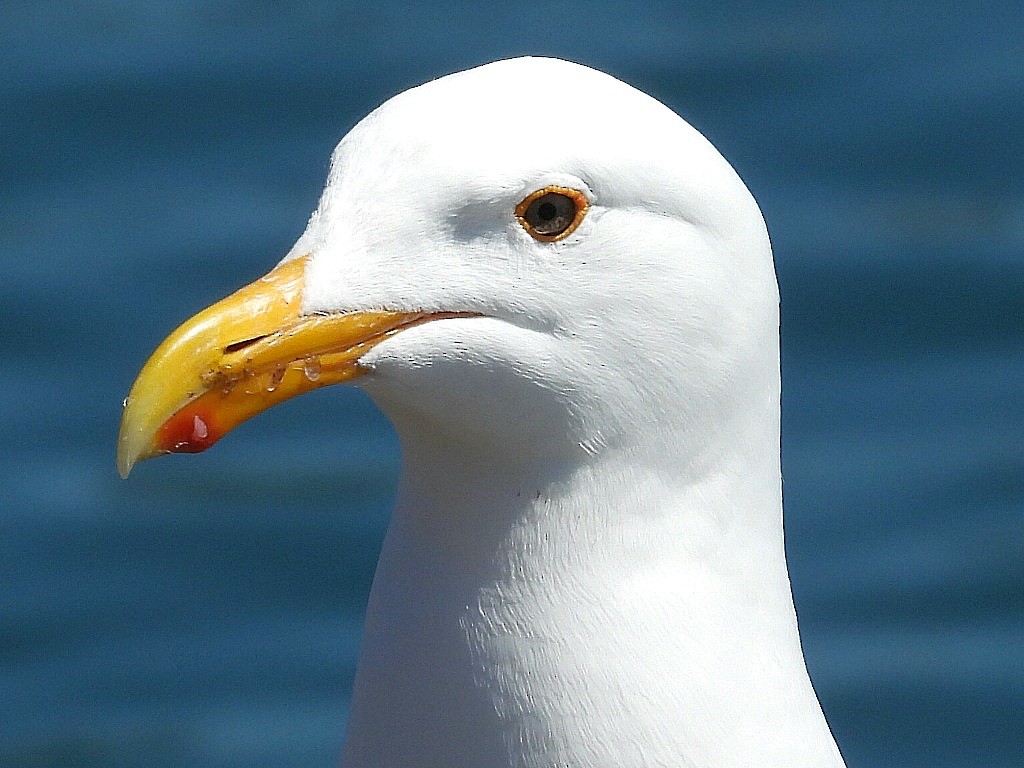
(552, 213)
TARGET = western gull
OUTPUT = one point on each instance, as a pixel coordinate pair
(564, 299)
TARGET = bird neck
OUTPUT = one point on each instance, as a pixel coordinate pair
(585, 614)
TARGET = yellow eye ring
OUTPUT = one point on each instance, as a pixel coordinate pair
(552, 213)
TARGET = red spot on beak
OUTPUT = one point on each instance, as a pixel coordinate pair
(187, 431)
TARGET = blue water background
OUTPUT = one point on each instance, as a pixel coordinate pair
(154, 156)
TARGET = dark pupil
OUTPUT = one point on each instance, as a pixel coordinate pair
(551, 214)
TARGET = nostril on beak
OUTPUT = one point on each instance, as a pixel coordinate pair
(238, 346)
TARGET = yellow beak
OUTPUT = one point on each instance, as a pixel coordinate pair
(246, 353)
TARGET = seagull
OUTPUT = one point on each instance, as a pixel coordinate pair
(564, 299)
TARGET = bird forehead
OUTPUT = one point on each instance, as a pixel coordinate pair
(478, 141)
(490, 115)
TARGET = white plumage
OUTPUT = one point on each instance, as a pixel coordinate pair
(586, 563)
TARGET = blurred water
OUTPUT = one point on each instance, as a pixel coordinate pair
(155, 156)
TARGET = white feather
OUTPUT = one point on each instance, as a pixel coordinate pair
(586, 564)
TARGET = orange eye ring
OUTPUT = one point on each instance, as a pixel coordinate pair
(552, 213)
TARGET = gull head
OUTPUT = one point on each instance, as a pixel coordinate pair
(529, 254)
